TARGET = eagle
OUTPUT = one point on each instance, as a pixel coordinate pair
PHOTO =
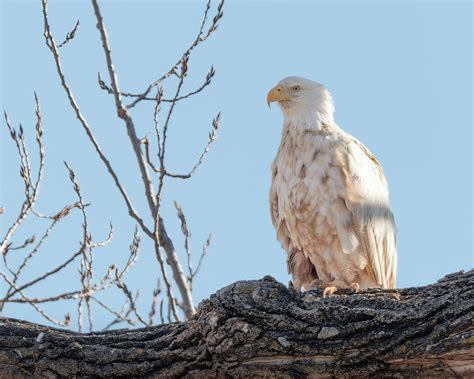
(329, 198)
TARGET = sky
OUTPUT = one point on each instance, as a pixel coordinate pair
(401, 76)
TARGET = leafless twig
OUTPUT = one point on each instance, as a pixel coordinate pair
(31, 190)
(154, 303)
(205, 248)
(70, 35)
(207, 81)
(212, 138)
(187, 236)
(121, 285)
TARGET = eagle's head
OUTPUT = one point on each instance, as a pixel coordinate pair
(302, 98)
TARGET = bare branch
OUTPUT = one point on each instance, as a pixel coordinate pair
(89, 289)
(154, 302)
(54, 50)
(187, 236)
(169, 291)
(121, 285)
(118, 315)
(184, 69)
(79, 314)
(146, 143)
(162, 320)
(123, 113)
(205, 248)
(161, 237)
(86, 272)
(70, 35)
(45, 275)
(107, 240)
(27, 242)
(89, 313)
(63, 296)
(38, 309)
(212, 138)
(159, 231)
(206, 82)
(201, 37)
(120, 318)
(158, 98)
(134, 250)
(25, 172)
(65, 211)
(32, 253)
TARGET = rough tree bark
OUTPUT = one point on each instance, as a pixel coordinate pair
(261, 329)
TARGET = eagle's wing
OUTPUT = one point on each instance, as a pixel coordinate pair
(274, 199)
(367, 198)
(299, 266)
(278, 221)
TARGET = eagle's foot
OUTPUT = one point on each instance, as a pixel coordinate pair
(330, 288)
(355, 287)
(329, 291)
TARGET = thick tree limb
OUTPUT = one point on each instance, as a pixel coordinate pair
(261, 329)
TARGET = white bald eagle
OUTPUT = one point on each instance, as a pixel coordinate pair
(329, 197)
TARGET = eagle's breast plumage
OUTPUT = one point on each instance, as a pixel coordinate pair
(330, 207)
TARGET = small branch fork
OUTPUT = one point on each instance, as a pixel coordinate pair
(86, 296)
(207, 81)
(173, 71)
(31, 189)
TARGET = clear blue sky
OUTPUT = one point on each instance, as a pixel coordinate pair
(400, 73)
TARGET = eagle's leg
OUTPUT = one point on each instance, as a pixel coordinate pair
(301, 269)
(293, 286)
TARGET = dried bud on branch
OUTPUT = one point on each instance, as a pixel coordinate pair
(70, 35)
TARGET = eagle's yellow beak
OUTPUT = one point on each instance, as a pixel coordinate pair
(276, 94)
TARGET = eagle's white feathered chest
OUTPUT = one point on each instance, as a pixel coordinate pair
(310, 200)
(307, 183)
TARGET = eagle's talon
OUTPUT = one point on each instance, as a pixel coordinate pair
(355, 287)
(329, 291)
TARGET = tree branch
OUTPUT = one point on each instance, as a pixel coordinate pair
(160, 234)
(206, 82)
(123, 113)
(259, 329)
(54, 50)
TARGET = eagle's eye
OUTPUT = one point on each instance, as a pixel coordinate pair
(295, 88)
